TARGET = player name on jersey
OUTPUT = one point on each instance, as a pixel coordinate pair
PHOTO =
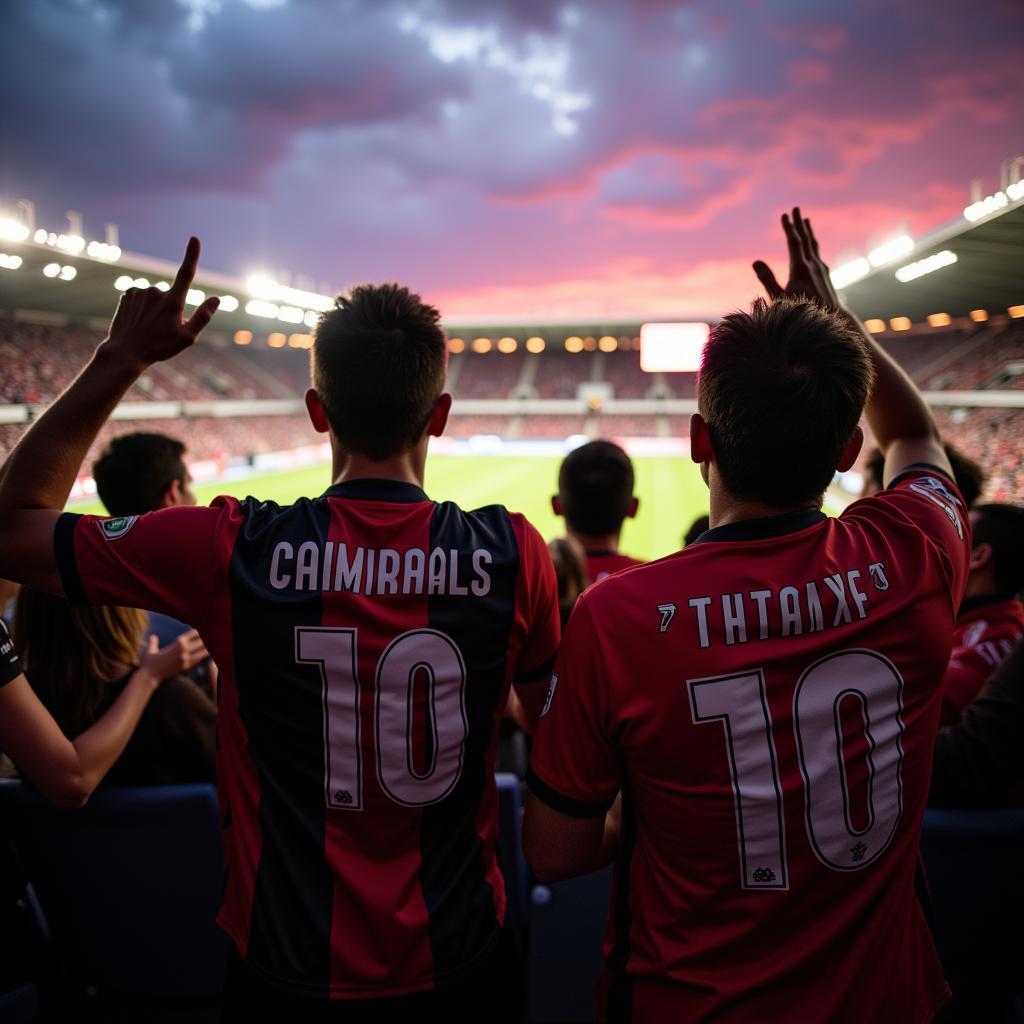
(333, 566)
(825, 603)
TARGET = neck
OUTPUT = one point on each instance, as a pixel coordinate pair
(407, 467)
(980, 584)
(727, 508)
(596, 542)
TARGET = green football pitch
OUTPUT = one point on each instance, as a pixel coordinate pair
(671, 493)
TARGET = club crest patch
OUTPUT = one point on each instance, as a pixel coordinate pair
(112, 529)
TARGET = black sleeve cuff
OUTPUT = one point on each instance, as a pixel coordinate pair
(566, 804)
(921, 467)
(64, 553)
(534, 675)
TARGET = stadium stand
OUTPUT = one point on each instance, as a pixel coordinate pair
(560, 373)
(493, 375)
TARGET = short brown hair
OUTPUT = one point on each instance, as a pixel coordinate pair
(595, 483)
(379, 364)
(781, 389)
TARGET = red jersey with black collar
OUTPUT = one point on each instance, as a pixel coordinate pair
(767, 701)
(366, 642)
(987, 629)
(605, 563)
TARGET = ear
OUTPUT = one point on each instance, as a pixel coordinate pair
(852, 450)
(172, 495)
(317, 416)
(439, 417)
(634, 504)
(556, 505)
(981, 556)
(700, 439)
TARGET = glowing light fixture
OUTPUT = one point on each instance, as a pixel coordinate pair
(456, 345)
(124, 282)
(481, 345)
(891, 250)
(535, 345)
(573, 344)
(912, 271)
(507, 345)
(900, 323)
(672, 347)
(258, 307)
(228, 303)
(1016, 312)
(8, 262)
(850, 272)
(68, 273)
(164, 286)
(939, 320)
(875, 326)
(979, 316)
(51, 270)
(277, 340)
(12, 230)
(290, 314)
(607, 343)
(243, 337)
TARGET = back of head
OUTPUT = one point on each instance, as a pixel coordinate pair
(697, 527)
(1002, 528)
(379, 364)
(71, 654)
(781, 389)
(595, 485)
(968, 474)
(134, 471)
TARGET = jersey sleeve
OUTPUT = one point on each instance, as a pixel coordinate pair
(537, 601)
(927, 497)
(168, 561)
(10, 665)
(575, 765)
(968, 669)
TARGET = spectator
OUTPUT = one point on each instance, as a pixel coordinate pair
(969, 476)
(80, 660)
(697, 527)
(570, 561)
(595, 495)
(991, 617)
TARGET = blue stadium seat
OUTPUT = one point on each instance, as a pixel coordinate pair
(510, 845)
(563, 957)
(129, 885)
(974, 862)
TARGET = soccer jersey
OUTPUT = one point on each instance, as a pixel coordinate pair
(767, 700)
(366, 642)
(987, 629)
(604, 563)
(10, 664)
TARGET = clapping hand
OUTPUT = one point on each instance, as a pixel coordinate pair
(177, 657)
(808, 275)
(148, 325)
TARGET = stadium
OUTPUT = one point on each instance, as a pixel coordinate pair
(584, 640)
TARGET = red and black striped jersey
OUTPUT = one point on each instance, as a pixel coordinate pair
(767, 701)
(366, 641)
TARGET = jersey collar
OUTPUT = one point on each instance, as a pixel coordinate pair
(763, 528)
(372, 489)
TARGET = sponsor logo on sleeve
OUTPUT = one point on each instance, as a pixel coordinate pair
(113, 529)
(551, 694)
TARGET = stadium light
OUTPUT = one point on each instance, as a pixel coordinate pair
(589, 343)
(507, 345)
(900, 323)
(312, 318)
(164, 286)
(891, 250)
(300, 340)
(228, 303)
(68, 273)
(939, 319)
(456, 345)
(912, 271)
(607, 343)
(290, 314)
(103, 251)
(141, 282)
(51, 270)
(875, 326)
(195, 296)
(12, 230)
(1016, 312)
(535, 345)
(258, 307)
(8, 262)
(262, 287)
(984, 207)
(979, 316)
(276, 340)
(850, 272)
(243, 337)
(481, 345)
(73, 244)
(123, 283)
(672, 347)
(573, 344)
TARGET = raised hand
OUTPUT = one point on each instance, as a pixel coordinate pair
(808, 275)
(177, 657)
(148, 325)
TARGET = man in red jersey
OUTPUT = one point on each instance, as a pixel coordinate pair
(991, 618)
(767, 699)
(595, 495)
(367, 640)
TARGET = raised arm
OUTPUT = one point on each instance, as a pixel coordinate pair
(37, 477)
(902, 423)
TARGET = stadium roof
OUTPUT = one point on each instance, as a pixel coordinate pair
(978, 264)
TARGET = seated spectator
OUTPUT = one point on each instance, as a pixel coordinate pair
(969, 476)
(570, 561)
(79, 661)
(979, 760)
(991, 618)
(63, 770)
(595, 495)
(697, 527)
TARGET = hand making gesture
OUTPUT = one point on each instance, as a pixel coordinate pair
(808, 275)
(148, 326)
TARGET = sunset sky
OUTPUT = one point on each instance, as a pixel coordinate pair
(508, 158)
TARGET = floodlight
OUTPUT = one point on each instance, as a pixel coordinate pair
(672, 347)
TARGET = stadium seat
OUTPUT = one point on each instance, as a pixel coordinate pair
(129, 885)
(510, 845)
(973, 864)
(563, 956)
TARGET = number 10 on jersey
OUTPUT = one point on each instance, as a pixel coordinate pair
(419, 653)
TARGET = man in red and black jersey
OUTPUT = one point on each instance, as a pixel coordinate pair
(766, 701)
(991, 617)
(595, 495)
(366, 639)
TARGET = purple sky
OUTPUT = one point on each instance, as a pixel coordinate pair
(517, 158)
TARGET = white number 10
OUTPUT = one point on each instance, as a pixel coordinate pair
(419, 651)
(740, 703)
